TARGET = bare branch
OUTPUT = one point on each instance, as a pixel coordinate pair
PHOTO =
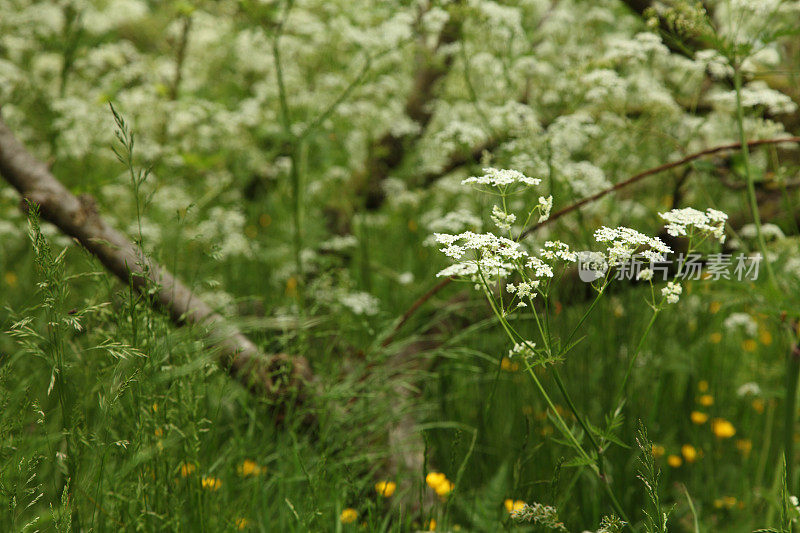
(77, 216)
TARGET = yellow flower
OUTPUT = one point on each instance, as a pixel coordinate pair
(159, 432)
(699, 418)
(348, 516)
(10, 278)
(434, 479)
(249, 468)
(744, 446)
(187, 469)
(716, 337)
(722, 428)
(706, 400)
(508, 365)
(211, 483)
(749, 345)
(432, 525)
(689, 453)
(702, 386)
(291, 287)
(674, 461)
(714, 307)
(512, 505)
(241, 523)
(765, 337)
(658, 450)
(385, 488)
(758, 405)
(445, 488)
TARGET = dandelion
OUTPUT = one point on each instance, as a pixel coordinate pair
(699, 418)
(249, 468)
(348, 516)
(211, 483)
(722, 428)
(241, 523)
(674, 461)
(689, 453)
(706, 400)
(385, 488)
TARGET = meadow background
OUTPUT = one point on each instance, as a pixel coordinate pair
(292, 161)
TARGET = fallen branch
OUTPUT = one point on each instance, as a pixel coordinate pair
(77, 216)
(577, 205)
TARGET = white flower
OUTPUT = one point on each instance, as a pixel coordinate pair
(736, 321)
(645, 275)
(681, 221)
(360, 303)
(625, 241)
(672, 292)
(748, 388)
(545, 206)
(522, 349)
(558, 250)
(502, 178)
(502, 219)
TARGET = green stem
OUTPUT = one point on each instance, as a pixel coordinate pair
(621, 390)
(792, 374)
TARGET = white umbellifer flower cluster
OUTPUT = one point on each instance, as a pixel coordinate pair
(523, 289)
(494, 255)
(545, 206)
(755, 94)
(769, 231)
(554, 250)
(751, 387)
(682, 221)
(743, 321)
(672, 292)
(521, 349)
(502, 219)
(625, 242)
(360, 303)
(717, 64)
(646, 274)
(502, 178)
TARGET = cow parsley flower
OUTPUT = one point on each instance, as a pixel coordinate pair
(545, 206)
(554, 250)
(502, 219)
(672, 292)
(682, 222)
(624, 242)
(522, 349)
(502, 179)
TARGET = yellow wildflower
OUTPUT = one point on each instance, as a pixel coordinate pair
(706, 400)
(241, 523)
(249, 468)
(348, 516)
(722, 428)
(714, 307)
(434, 479)
(765, 337)
(10, 278)
(187, 469)
(432, 525)
(699, 418)
(512, 505)
(749, 345)
(211, 483)
(674, 461)
(758, 405)
(658, 450)
(716, 337)
(702, 386)
(385, 488)
(508, 365)
(744, 446)
(689, 453)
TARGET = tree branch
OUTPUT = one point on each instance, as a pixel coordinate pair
(77, 217)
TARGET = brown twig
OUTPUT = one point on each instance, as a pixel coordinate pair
(577, 205)
(77, 216)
